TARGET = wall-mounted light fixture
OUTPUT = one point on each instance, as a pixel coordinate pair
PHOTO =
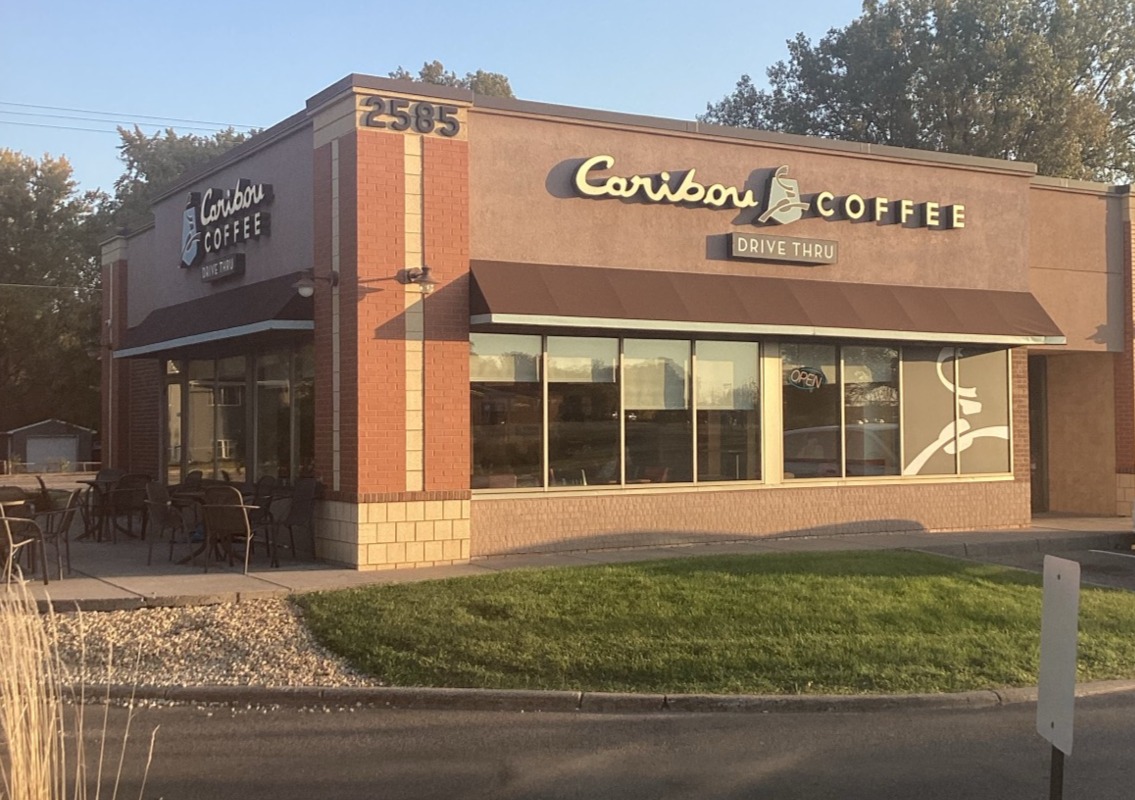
(305, 286)
(420, 276)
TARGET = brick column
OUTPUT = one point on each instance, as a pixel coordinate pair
(1125, 376)
(392, 436)
(115, 384)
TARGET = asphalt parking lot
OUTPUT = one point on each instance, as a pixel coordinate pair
(1114, 568)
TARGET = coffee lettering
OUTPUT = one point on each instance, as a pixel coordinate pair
(822, 205)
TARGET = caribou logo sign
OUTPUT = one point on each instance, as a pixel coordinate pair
(217, 219)
(783, 204)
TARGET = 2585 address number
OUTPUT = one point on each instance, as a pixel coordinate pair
(400, 114)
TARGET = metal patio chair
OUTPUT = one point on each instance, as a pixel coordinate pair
(227, 523)
(300, 513)
(164, 515)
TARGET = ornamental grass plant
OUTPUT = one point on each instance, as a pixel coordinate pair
(43, 725)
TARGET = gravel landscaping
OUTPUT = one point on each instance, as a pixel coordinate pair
(253, 643)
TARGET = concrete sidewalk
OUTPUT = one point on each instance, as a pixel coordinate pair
(115, 576)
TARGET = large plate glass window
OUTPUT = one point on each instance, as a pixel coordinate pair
(273, 415)
(583, 411)
(871, 410)
(811, 405)
(728, 408)
(656, 399)
(929, 409)
(956, 411)
(174, 421)
(304, 453)
(983, 411)
(506, 413)
(201, 425)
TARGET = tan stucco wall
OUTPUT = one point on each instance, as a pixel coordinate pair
(1081, 430)
(1076, 264)
(524, 207)
(155, 278)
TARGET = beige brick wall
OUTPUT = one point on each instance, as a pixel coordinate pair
(632, 519)
(393, 535)
(1124, 494)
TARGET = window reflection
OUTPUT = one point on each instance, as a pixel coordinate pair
(811, 411)
(659, 445)
(855, 410)
(505, 410)
(242, 417)
(728, 403)
(583, 411)
(871, 410)
(274, 415)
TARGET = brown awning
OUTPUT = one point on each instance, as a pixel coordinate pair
(255, 309)
(594, 297)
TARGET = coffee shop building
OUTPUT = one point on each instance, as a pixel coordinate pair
(495, 326)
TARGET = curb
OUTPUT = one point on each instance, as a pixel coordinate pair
(534, 700)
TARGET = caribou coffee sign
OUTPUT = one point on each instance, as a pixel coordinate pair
(782, 203)
(218, 219)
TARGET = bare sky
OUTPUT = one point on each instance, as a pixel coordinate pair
(195, 66)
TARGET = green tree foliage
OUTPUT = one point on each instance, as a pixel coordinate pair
(1046, 81)
(48, 336)
(481, 82)
(154, 161)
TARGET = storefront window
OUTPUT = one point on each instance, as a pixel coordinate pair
(656, 401)
(854, 411)
(212, 426)
(174, 422)
(983, 411)
(304, 431)
(956, 411)
(811, 411)
(229, 403)
(201, 425)
(505, 410)
(871, 410)
(728, 404)
(583, 411)
(273, 415)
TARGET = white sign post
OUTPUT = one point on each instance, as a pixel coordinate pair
(1056, 689)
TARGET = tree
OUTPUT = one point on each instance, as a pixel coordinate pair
(155, 161)
(480, 82)
(1047, 81)
(49, 297)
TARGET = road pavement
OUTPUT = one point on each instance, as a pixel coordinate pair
(261, 754)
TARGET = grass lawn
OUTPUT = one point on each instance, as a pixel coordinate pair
(826, 623)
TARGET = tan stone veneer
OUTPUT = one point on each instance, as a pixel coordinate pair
(412, 533)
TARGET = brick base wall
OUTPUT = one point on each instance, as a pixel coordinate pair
(393, 535)
(634, 519)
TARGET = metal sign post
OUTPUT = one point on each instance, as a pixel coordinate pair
(1056, 689)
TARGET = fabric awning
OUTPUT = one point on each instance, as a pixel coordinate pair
(594, 297)
(255, 308)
